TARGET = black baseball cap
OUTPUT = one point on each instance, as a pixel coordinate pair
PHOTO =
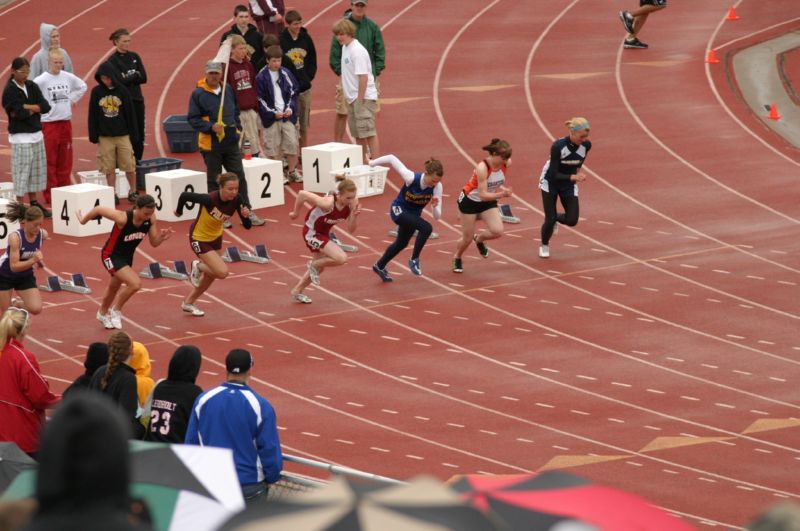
(238, 361)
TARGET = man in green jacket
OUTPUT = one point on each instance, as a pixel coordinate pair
(368, 33)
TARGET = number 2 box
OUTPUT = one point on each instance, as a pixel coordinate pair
(167, 186)
(264, 182)
(67, 200)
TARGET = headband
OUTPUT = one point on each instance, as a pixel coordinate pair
(579, 127)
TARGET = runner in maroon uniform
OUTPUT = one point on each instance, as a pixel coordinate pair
(325, 213)
(130, 228)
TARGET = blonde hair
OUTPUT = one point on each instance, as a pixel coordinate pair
(344, 27)
(13, 324)
(346, 185)
(577, 123)
(119, 350)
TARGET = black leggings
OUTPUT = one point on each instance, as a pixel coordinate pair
(138, 145)
(407, 224)
(551, 217)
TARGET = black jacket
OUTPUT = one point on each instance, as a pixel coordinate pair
(256, 42)
(21, 120)
(173, 398)
(300, 57)
(130, 70)
(96, 356)
(111, 111)
(123, 390)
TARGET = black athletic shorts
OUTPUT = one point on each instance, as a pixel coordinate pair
(468, 206)
(657, 3)
(17, 283)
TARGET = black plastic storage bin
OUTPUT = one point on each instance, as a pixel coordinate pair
(157, 164)
(180, 135)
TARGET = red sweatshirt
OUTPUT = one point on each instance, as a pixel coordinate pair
(242, 78)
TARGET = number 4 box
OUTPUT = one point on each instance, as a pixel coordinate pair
(320, 160)
(68, 200)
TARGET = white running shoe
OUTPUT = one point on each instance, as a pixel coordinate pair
(192, 309)
(105, 320)
(115, 316)
(313, 273)
(544, 251)
(194, 277)
(301, 297)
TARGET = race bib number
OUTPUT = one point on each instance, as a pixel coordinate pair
(397, 210)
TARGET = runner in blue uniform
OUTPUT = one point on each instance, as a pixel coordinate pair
(406, 211)
(23, 253)
(560, 177)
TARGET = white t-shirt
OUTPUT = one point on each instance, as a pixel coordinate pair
(280, 105)
(356, 62)
(61, 92)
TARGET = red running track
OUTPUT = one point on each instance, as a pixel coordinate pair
(655, 351)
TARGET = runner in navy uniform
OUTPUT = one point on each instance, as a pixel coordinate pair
(130, 228)
(24, 252)
(560, 177)
(406, 210)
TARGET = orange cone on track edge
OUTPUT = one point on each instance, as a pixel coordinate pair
(773, 112)
(712, 57)
(732, 14)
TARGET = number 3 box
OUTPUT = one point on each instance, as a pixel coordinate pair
(67, 200)
(167, 186)
(320, 160)
(264, 182)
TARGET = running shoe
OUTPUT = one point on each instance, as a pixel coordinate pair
(115, 316)
(382, 273)
(192, 309)
(413, 265)
(227, 224)
(296, 176)
(133, 196)
(46, 212)
(313, 273)
(301, 298)
(627, 21)
(194, 276)
(105, 320)
(635, 43)
(255, 220)
(481, 247)
(544, 251)
(457, 267)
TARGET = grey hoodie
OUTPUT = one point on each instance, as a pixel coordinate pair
(40, 59)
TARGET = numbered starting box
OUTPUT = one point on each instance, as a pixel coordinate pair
(6, 227)
(7, 191)
(320, 160)
(67, 200)
(96, 177)
(167, 186)
(369, 179)
(264, 182)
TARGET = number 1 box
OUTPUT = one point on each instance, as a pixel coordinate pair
(320, 160)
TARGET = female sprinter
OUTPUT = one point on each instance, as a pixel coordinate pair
(560, 178)
(479, 199)
(130, 228)
(205, 234)
(406, 211)
(24, 252)
(326, 212)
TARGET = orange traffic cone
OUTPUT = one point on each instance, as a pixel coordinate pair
(712, 57)
(773, 112)
(732, 14)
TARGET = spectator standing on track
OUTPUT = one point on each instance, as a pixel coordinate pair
(130, 228)
(242, 78)
(300, 57)
(368, 33)
(173, 398)
(560, 177)
(358, 88)
(478, 199)
(130, 70)
(24, 393)
(51, 40)
(205, 234)
(253, 38)
(219, 142)
(117, 380)
(22, 256)
(268, 15)
(277, 96)
(62, 90)
(96, 357)
(635, 19)
(419, 189)
(113, 127)
(234, 416)
(325, 212)
(24, 104)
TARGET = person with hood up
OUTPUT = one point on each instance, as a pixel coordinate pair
(112, 126)
(84, 472)
(96, 357)
(51, 39)
(173, 398)
(140, 362)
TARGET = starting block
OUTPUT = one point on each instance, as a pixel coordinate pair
(433, 236)
(77, 284)
(346, 247)
(156, 270)
(233, 254)
(507, 216)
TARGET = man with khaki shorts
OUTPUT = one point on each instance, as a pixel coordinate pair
(358, 88)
